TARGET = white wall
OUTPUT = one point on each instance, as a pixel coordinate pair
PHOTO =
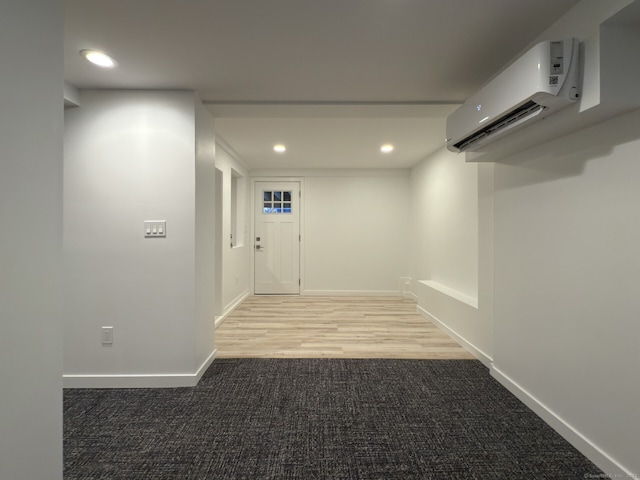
(205, 177)
(235, 261)
(356, 227)
(445, 222)
(557, 265)
(566, 267)
(218, 248)
(566, 271)
(445, 246)
(130, 156)
(31, 239)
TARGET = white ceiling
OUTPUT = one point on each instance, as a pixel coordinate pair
(332, 136)
(332, 79)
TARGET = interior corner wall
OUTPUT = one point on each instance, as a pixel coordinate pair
(451, 218)
(236, 259)
(31, 125)
(356, 226)
(445, 221)
(205, 236)
(130, 157)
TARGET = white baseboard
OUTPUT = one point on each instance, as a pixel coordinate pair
(353, 293)
(603, 461)
(231, 307)
(156, 380)
(575, 438)
(470, 347)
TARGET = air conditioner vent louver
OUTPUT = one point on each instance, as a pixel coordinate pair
(529, 109)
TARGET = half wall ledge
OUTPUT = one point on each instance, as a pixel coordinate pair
(461, 297)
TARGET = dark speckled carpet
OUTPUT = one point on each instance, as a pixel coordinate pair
(317, 419)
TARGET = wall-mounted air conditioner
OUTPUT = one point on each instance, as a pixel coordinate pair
(540, 82)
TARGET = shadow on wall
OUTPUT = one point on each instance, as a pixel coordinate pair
(567, 156)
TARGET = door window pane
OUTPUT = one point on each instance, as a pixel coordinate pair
(273, 202)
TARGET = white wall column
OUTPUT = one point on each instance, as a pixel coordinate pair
(132, 156)
(31, 122)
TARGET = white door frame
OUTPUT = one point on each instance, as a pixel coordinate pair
(252, 242)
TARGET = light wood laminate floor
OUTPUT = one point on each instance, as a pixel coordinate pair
(343, 327)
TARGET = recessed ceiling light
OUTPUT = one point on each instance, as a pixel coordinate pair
(386, 148)
(279, 148)
(98, 58)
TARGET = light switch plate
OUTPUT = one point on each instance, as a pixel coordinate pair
(107, 335)
(155, 228)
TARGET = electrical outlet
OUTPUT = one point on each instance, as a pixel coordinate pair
(107, 335)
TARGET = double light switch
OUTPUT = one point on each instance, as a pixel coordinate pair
(155, 228)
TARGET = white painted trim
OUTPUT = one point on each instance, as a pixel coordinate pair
(269, 174)
(235, 303)
(470, 347)
(156, 380)
(461, 297)
(330, 109)
(585, 446)
(354, 293)
(275, 178)
(231, 152)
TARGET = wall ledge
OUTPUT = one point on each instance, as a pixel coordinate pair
(467, 299)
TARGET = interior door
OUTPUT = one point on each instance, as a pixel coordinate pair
(277, 238)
